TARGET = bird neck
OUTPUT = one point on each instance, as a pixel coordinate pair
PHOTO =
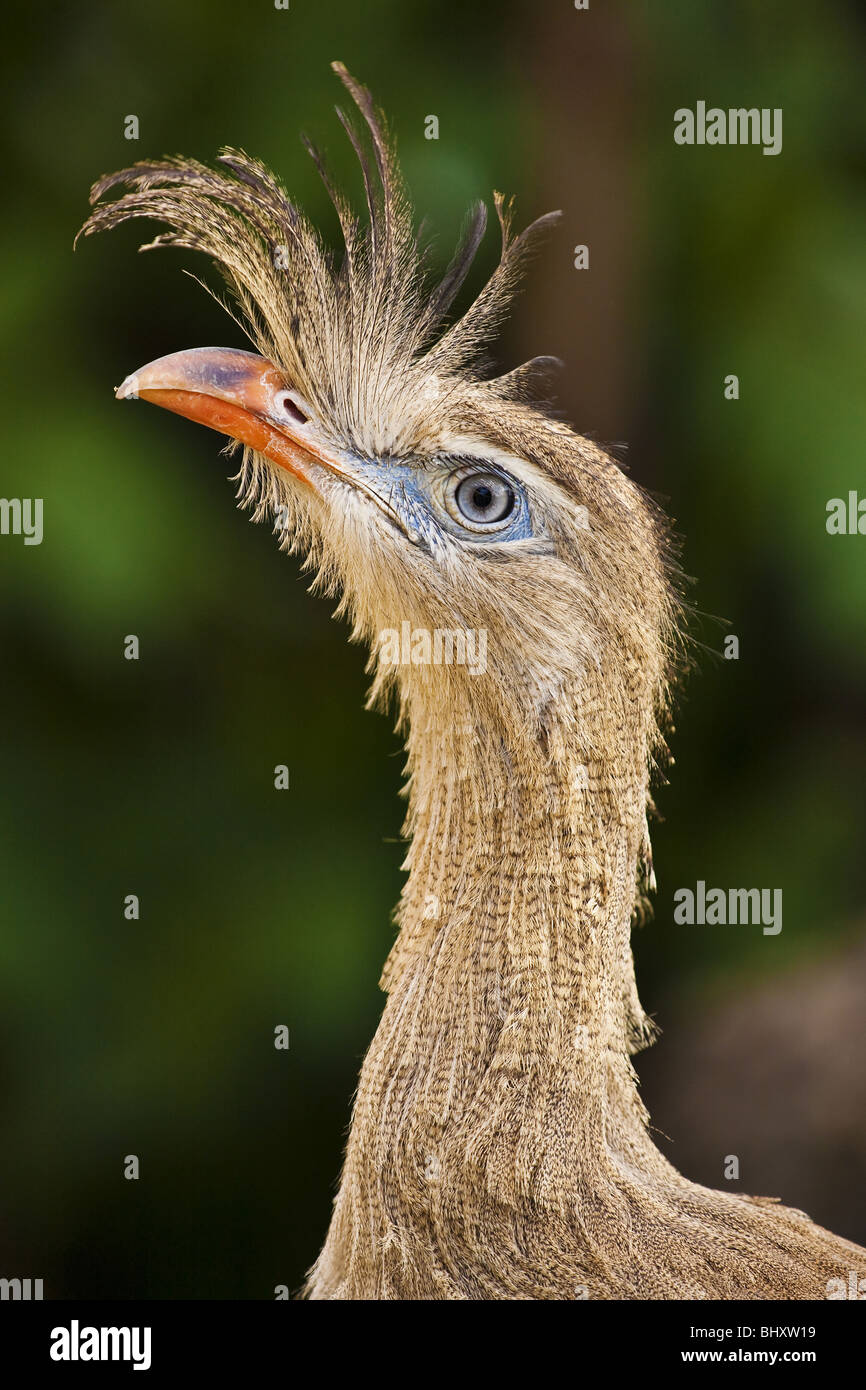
(512, 1007)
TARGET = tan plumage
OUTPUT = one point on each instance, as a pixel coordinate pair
(499, 1148)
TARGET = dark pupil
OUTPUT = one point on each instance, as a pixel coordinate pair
(482, 497)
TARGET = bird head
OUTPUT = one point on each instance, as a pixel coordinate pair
(433, 497)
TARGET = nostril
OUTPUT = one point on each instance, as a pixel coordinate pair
(293, 410)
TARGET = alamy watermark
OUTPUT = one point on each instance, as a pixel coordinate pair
(846, 516)
(852, 1290)
(712, 907)
(22, 516)
(441, 646)
(77, 1343)
(735, 126)
(21, 1290)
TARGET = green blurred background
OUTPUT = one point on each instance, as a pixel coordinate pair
(156, 777)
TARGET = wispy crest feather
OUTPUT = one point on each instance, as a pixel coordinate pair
(361, 337)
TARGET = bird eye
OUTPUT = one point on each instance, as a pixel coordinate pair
(483, 499)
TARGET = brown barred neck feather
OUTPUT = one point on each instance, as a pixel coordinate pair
(361, 338)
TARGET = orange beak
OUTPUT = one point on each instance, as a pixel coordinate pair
(239, 394)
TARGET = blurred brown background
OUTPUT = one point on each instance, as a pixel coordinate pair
(156, 777)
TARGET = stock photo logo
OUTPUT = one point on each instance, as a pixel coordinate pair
(729, 907)
(408, 646)
(22, 516)
(736, 126)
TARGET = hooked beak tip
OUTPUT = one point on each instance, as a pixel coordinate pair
(128, 389)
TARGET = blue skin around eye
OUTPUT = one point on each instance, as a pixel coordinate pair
(426, 521)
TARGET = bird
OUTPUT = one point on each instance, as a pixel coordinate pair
(522, 603)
